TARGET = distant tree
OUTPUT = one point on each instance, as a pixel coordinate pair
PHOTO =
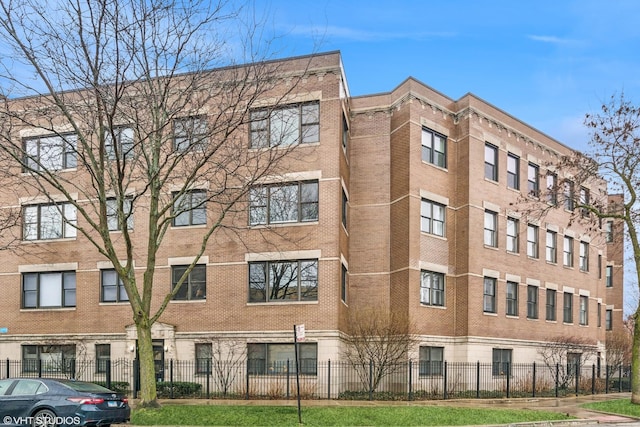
(121, 94)
(377, 342)
(564, 355)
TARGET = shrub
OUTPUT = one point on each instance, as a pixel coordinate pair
(180, 389)
(117, 386)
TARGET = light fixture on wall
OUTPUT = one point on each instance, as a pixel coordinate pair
(132, 348)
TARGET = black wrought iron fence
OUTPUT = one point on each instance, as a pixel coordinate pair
(213, 379)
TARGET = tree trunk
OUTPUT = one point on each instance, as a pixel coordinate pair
(635, 365)
(148, 393)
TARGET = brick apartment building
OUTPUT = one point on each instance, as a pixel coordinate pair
(406, 200)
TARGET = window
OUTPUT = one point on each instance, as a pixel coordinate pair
(118, 144)
(282, 203)
(431, 360)
(50, 153)
(51, 358)
(189, 208)
(573, 363)
(288, 125)
(491, 229)
(552, 189)
(112, 287)
(532, 302)
(432, 216)
(434, 148)
(344, 281)
(568, 308)
(584, 256)
(283, 281)
(567, 259)
(432, 288)
(190, 133)
(46, 222)
(532, 241)
(274, 359)
(103, 356)
(501, 361)
(512, 299)
(112, 214)
(608, 231)
(345, 134)
(204, 354)
(599, 266)
(533, 180)
(568, 194)
(489, 298)
(49, 290)
(552, 247)
(345, 208)
(584, 310)
(551, 304)
(491, 162)
(609, 276)
(194, 286)
(512, 235)
(584, 201)
(608, 320)
(513, 171)
(599, 315)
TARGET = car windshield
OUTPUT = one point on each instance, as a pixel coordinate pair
(86, 387)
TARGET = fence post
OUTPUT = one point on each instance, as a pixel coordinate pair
(557, 377)
(246, 393)
(108, 374)
(508, 379)
(171, 379)
(329, 379)
(209, 378)
(593, 379)
(39, 368)
(8, 371)
(136, 377)
(577, 378)
(444, 379)
(620, 378)
(606, 385)
(288, 379)
(478, 379)
(533, 391)
(370, 379)
(410, 397)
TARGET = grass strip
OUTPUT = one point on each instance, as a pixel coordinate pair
(616, 406)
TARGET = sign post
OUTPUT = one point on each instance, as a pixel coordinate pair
(298, 336)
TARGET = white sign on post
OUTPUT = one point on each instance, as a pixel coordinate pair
(300, 333)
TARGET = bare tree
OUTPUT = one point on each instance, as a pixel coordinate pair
(566, 355)
(121, 94)
(376, 343)
(229, 360)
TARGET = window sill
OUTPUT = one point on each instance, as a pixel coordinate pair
(440, 168)
(182, 227)
(283, 224)
(40, 241)
(32, 310)
(435, 236)
(113, 303)
(271, 303)
(493, 248)
(488, 313)
(188, 301)
(437, 307)
(533, 319)
(52, 170)
(286, 146)
(512, 316)
(513, 253)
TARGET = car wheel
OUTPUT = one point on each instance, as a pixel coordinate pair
(44, 418)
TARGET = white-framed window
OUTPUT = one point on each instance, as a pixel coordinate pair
(512, 298)
(532, 241)
(51, 153)
(112, 213)
(434, 148)
(491, 228)
(276, 358)
(489, 295)
(189, 208)
(513, 171)
(551, 253)
(533, 180)
(552, 188)
(103, 357)
(567, 252)
(551, 304)
(49, 221)
(501, 361)
(584, 310)
(432, 288)
(585, 200)
(432, 217)
(194, 286)
(111, 287)
(49, 289)
(287, 125)
(513, 244)
(608, 320)
(490, 162)
(431, 360)
(283, 281)
(532, 302)
(608, 231)
(584, 256)
(609, 276)
(48, 358)
(118, 143)
(190, 133)
(344, 283)
(344, 209)
(284, 203)
(568, 195)
(567, 308)
(204, 356)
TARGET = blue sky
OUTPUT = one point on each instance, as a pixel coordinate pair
(545, 62)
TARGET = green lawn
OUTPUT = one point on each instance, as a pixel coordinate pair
(618, 406)
(229, 415)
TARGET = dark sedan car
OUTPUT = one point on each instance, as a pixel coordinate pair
(58, 402)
